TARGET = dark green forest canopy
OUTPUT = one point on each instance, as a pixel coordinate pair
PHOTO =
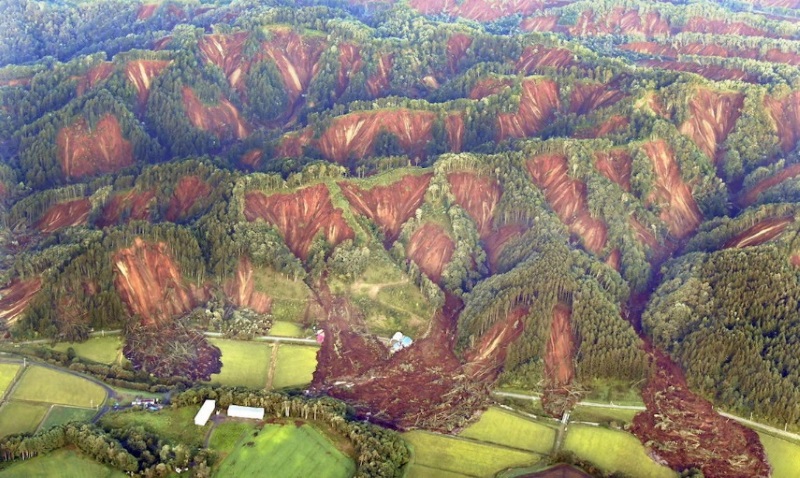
(518, 168)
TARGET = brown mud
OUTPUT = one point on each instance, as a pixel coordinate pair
(15, 297)
(713, 116)
(65, 214)
(785, 114)
(222, 119)
(762, 232)
(615, 164)
(130, 206)
(84, 152)
(537, 107)
(188, 190)
(478, 195)
(431, 249)
(241, 289)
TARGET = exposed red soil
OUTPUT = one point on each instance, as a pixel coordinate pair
(536, 57)
(141, 74)
(558, 366)
(353, 135)
(701, 49)
(620, 21)
(712, 117)
(712, 72)
(723, 27)
(489, 86)
(785, 113)
(615, 164)
(587, 97)
(479, 10)
(457, 46)
(567, 197)
(146, 11)
(764, 231)
(378, 83)
(94, 76)
(297, 59)
(431, 249)
(655, 104)
(241, 289)
(252, 158)
(478, 195)
(188, 190)
(350, 63)
(83, 152)
(300, 216)
(679, 210)
(544, 23)
(225, 51)
(684, 431)
(752, 194)
(15, 82)
(389, 206)
(485, 361)
(537, 107)
(124, 207)
(495, 242)
(795, 260)
(454, 127)
(16, 296)
(614, 260)
(150, 283)
(778, 3)
(648, 238)
(162, 43)
(65, 214)
(222, 119)
(611, 125)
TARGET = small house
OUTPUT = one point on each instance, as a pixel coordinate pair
(205, 413)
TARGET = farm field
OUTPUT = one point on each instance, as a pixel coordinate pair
(287, 450)
(39, 384)
(226, 435)
(509, 429)
(59, 415)
(295, 365)
(7, 373)
(281, 328)
(613, 450)
(783, 455)
(602, 415)
(243, 363)
(440, 453)
(174, 424)
(106, 350)
(61, 463)
(20, 417)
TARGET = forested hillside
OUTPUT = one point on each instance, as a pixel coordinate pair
(557, 188)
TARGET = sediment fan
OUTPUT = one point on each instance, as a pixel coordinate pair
(546, 195)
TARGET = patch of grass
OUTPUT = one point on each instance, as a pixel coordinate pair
(62, 463)
(287, 450)
(105, 350)
(509, 429)
(406, 297)
(613, 450)
(243, 363)
(783, 455)
(59, 415)
(39, 384)
(226, 435)
(456, 455)
(20, 417)
(281, 328)
(7, 373)
(175, 424)
(287, 310)
(619, 392)
(422, 471)
(583, 413)
(296, 365)
(288, 297)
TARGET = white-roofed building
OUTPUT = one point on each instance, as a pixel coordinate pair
(246, 412)
(205, 413)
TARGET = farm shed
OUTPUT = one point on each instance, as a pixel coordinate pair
(246, 412)
(205, 413)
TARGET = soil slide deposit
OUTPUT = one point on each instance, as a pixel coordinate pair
(389, 206)
(684, 431)
(84, 152)
(785, 113)
(188, 190)
(225, 51)
(679, 210)
(457, 46)
(485, 361)
(764, 231)
(751, 196)
(15, 297)
(222, 119)
(478, 195)
(558, 367)
(431, 249)
(712, 117)
(124, 207)
(241, 289)
(479, 10)
(587, 97)
(496, 241)
(610, 126)
(537, 107)
(94, 76)
(350, 62)
(65, 214)
(454, 127)
(620, 21)
(141, 74)
(615, 164)
(297, 59)
(379, 81)
(773, 55)
(150, 283)
(712, 72)
(567, 197)
(300, 216)
(536, 57)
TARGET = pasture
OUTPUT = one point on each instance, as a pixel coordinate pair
(20, 417)
(62, 463)
(783, 456)
(39, 384)
(105, 350)
(295, 365)
(59, 415)
(244, 363)
(509, 429)
(7, 373)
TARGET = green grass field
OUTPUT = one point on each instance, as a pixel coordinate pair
(20, 417)
(287, 451)
(601, 415)
(226, 435)
(7, 373)
(59, 415)
(41, 384)
(173, 424)
(509, 429)
(61, 463)
(421, 471)
(105, 350)
(456, 455)
(613, 450)
(296, 365)
(288, 297)
(282, 328)
(243, 363)
(783, 455)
